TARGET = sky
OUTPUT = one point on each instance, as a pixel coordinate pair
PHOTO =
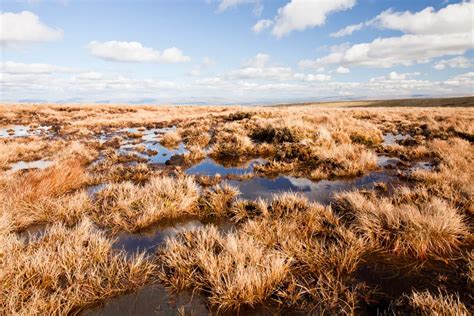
(234, 51)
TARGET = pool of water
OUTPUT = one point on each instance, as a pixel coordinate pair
(37, 164)
(151, 300)
(320, 191)
(163, 153)
(149, 239)
(391, 139)
(209, 167)
(386, 161)
(24, 131)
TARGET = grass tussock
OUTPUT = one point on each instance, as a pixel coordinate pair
(425, 303)
(64, 271)
(281, 253)
(170, 139)
(131, 207)
(218, 200)
(453, 178)
(432, 229)
(234, 269)
(32, 197)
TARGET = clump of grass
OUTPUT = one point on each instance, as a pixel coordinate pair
(196, 135)
(279, 131)
(28, 197)
(453, 178)
(234, 269)
(294, 252)
(231, 145)
(170, 139)
(366, 136)
(64, 271)
(432, 229)
(426, 303)
(217, 201)
(132, 207)
(275, 167)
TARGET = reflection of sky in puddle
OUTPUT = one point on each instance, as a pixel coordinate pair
(37, 164)
(149, 240)
(23, 131)
(320, 191)
(384, 161)
(150, 300)
(164, 154)
(422, 165)
(210, 168)
(391, 139)
(94, 189)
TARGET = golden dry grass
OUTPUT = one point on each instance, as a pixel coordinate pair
(63, 271)
(288, 254)
(132, 207)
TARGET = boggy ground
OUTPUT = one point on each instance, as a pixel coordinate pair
(338, 208)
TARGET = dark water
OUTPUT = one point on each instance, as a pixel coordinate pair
(210, 167)
(391, 139)
(150, 300)
(163, 153)
(150, 239)
(320, 191)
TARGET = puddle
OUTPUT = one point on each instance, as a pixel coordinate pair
(94, 189)
(148, 134)
(150, 300)
(422, 165)
(163, 154)
(209, 167)
(321, 191)
(24, 131)
(392, 139)
(148, 240)
(37, 164)
(386, 161)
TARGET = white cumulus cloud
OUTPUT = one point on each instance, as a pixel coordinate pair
(455, 62)
(227, 4)
(343, 70)
(262, 25)
(19, 29)
(298, 15)
(348, 30)
(11, 67)
(135, 52)
(429, 34)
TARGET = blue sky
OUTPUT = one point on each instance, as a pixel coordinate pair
(234, 51)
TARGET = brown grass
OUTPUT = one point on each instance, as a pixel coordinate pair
(431, 229)
(406, 249)
(131, 207)
(63, 271)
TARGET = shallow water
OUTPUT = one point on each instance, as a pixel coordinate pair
(150, 300)
(24, 131)
(209, 167)
(37, 164)
(391, 139)
(94, 189)
(163, 153)
(320, 191)
(422, 165)
(150, 239)
(386, 161)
